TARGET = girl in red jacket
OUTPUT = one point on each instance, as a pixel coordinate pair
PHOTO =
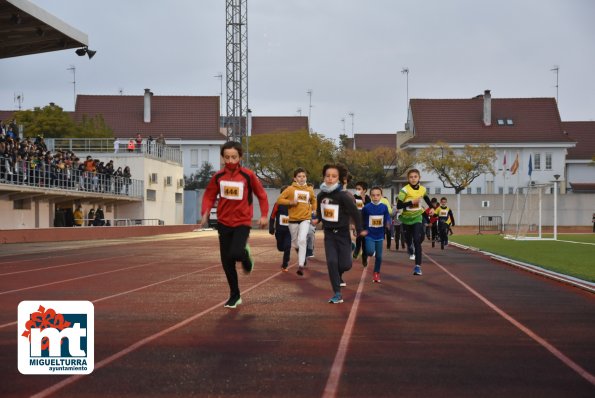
(235, 185)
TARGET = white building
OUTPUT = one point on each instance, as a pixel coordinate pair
(527, 128)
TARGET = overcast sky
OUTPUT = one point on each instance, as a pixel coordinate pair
(350, 53)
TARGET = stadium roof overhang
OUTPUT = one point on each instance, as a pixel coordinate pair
(27, 29)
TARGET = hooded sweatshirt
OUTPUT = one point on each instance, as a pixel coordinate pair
(306, 201)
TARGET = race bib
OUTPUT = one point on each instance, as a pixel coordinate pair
(414, 208)
(330, 212)
(376, 221)
(233, 190)
(443, 213)
(284, 220)
(359, 203)
(301, 196)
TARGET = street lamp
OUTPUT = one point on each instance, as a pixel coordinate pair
(352, 130)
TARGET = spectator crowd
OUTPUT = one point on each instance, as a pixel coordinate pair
(29, 162)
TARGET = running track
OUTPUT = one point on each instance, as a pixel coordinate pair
(469, 327)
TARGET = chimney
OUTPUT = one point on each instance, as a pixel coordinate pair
(487, 108)
(148, 95)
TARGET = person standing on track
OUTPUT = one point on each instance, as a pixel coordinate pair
(300, 200)
(376, 220)
(235, 185)
(409, 200)
(336, 209)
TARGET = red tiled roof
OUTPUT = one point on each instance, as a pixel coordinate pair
(185, 117)
(582, 187)
(461, 121)
(278, 124)
(6, 116)
(373, 141)
(584, 135)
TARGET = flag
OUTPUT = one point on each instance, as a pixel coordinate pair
(504, 165)
(530, 166)
(515, 165)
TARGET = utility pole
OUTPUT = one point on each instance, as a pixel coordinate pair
(406, 72)
(352, 130)
(556, 70)
(343, 121)
(309, 92)
(220, 77)
(73, 69)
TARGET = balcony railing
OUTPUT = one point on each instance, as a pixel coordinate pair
(63, 177)
(98, 145)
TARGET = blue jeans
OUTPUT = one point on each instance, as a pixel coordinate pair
(372, 246)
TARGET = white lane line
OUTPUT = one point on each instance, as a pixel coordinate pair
(135, 289)
(332, 383)
(77, 278)
(578, 243)
(540, 340)
(61, 265)
(73, 379)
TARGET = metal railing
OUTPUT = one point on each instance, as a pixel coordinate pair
(127, 222)
(60, 176)
(99, 145)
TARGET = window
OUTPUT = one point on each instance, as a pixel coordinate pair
(510, 190)
(478, 190)
(548, 161)
(537, 161)
(500, 190)
(151, 195)
(500, 122)
(178, 198)
(437, 190)
(509, 122)
(204, 155)
(469, 191)
(21, 204)
(194, 158)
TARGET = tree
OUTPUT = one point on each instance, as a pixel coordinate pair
(52, 122)
(200, 179)
(273, 157)
(457, 169)
(378, 166)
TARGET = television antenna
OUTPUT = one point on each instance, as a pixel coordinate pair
(556, 70)
(19, 98)
(73, 69)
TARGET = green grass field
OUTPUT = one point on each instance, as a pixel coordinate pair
(563, 256)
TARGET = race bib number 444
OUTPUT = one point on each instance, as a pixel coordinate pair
(232, 190)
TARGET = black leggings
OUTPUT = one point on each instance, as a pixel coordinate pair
(232, 246)
(415, 233)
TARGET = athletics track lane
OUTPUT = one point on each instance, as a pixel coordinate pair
(412, 336)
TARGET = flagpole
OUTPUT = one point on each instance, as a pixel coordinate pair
(503, 191)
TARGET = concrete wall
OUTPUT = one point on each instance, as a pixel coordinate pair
(573, 209)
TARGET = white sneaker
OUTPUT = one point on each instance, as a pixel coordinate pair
(412, 257)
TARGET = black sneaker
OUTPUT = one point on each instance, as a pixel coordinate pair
(233, 302)
(365, 262)
(300, 271)
(248, 265)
